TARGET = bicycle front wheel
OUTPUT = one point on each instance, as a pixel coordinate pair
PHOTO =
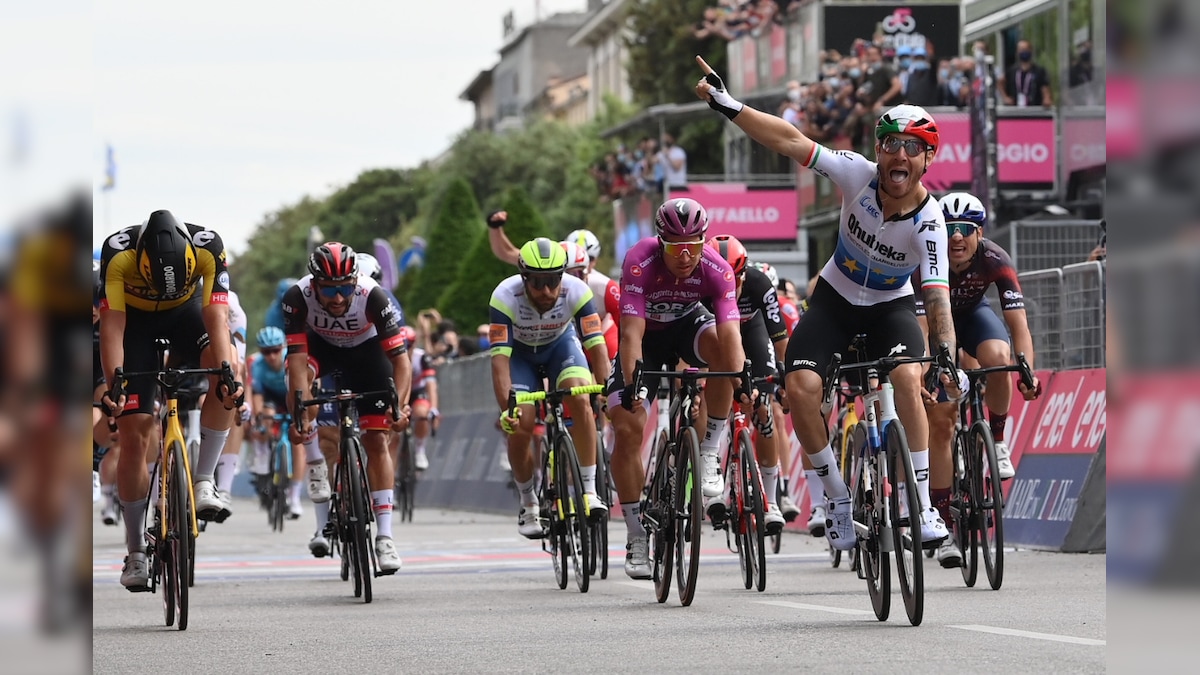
(280, 479)
(991, 504)
(753, 515)
(689, 514)
(571, 506)
(964, 509)
(360, 514)
(906, 532)
(598, 558)
(873, 563)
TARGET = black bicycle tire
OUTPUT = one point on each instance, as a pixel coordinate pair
(181, 521)
(162, 543)
(875, 565)
(598, 536)
(662, 537)
(277, 488)
(575, 534)
(688, 529)
(757, 530)
(548, 515)
(965, 510)
(360, 517)
(736, 520)
(911, 591)
(991, 496)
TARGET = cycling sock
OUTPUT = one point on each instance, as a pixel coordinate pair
(920, 462)
(716, 431)
(227, 466)
(294, 491)
(997, 421)
(816, 491)
(212, 442)
(526, 488)
(770, 477)
(419, 445)
(825, 466)
(135, 516)
(941, 501)
(633, 519)
(109, 492)
(322, 510)
(312, 450)
(262, 458)
(588, 474)
(787, 488)
(381, 501)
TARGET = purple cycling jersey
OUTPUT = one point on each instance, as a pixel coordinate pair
(649, 290)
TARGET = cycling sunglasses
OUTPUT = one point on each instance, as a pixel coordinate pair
(965, 229)
(912, 146)
(540, 281)
(344, 290)
(676, 249)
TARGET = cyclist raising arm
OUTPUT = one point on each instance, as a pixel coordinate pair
(890, 226)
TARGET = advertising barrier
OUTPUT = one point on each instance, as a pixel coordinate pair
(746, 213)
(1026, 152)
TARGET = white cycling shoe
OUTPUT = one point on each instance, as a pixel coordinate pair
(839, 524)
(1004, 465)
(933, 528)
(637, 557)
(318, 483)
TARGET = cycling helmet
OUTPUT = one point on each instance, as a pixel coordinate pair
(909, 119)
(269, 337)
(577, 257)
(332, 262)
(542, 255)
(95, 282)
(587, 240)
(963, 207)
(681, 217)
(165, 253)
(731, 250)
(283, 286)
(369, 266)
(410, 335)
(771, 273)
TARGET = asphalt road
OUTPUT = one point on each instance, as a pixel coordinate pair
(474, 596)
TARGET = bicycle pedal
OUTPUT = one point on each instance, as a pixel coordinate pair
(385, 573)
(774, 529)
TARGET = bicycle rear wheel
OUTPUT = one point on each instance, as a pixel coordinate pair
(360, 519)
(280, 479)
(735, 525)
(964, 509)
(575, 532)
(658, 507)
(598, 558)
(991, 504)
(689, 514)
(906, 532)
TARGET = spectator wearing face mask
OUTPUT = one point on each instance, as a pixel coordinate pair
(882, 83)
(1026, 84)
(922, 81)
(790, 109)
(674, 160)
(1081, 69)
(903, 61)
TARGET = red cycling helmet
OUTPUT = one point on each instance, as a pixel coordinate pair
(731, 250)
(333, 262)
(909, 119)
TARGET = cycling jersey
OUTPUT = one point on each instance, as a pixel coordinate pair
(271, 384)
(516, 323)
(650, 291)
(237, 317)
(124, 285)
(606, 288)
(791, 314)
(874, 258)
(371, 314)
(423, 370)
(759, 298)
(990, 265)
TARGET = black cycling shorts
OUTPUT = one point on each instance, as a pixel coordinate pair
(759, 349)
(662, 349)
(182, 325)
(830, 323)
(363, 368)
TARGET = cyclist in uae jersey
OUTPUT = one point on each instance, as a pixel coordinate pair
(890, 227)
(975, 264)
(336, 319)
(533, 337)
(664, 281)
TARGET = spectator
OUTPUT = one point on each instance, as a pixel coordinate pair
(903, 62)
(882, 83)
(922, 81)
(482, 336)
(1081, 68)
(790, 109)
(1026, 84)
(674, 161)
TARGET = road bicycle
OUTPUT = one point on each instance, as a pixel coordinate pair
(350, 513)
(564, 504)
(672, 507)
(171, 540)
(281, 469)
(976, 497)
(883, 523)
(605, 489)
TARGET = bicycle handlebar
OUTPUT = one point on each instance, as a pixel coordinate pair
(884, 366)
(535, 396)
(299, 402)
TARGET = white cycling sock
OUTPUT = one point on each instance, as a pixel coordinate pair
(527, 488)
(294, 491)
(227, 466)
(633, 519)
(588, 474)
(212, 443)
(816, 491)
(419, 445)
(770, 477)
(381, 502)
(262, 458)
(920, 462)
(825, 465)
(322, 511)
(714, 434)
(312, 450)
(135, 515)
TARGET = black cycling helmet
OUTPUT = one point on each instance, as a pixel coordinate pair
(166, 255)
(333, 262)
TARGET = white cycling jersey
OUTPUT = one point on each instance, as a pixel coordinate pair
(598, 282)
(237, 324)
(875, 258)
(515, 321)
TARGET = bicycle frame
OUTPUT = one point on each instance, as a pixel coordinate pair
(554, 420)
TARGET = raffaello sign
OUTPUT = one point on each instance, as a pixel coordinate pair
(748, 214)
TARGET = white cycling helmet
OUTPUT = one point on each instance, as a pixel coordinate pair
(577, 257)
(587, 240)
(772, 275)
(963, 207)
(368, 265)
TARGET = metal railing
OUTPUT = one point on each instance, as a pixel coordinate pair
(1044, 244)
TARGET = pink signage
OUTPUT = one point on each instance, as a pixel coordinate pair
(1025, 150)
(744, 213)
(1083, 143)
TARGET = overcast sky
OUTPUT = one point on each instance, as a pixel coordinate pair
(223, 111)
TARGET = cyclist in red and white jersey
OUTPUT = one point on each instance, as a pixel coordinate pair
(890, 227)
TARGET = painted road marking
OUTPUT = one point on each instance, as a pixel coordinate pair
(815, 608)
(1035, 636)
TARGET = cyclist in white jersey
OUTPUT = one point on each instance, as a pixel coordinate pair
(890, 227)
(227, 464)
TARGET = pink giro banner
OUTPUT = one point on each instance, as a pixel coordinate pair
(744, 213)
(1026, 152)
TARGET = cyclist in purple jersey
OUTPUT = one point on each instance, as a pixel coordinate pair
(664, 279)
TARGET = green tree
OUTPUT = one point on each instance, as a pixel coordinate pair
(466, 301)
(377, 204)
(458, 223)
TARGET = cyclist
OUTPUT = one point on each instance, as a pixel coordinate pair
(789, 307)
(163, 279)
(231, 454)
(274, 315)
(664, 281)
(336, 318)
(975, 264)
(268, 391)
(104, 443)
(763, 336)
(533, 335)
(890, 226)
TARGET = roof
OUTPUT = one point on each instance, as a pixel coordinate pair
(481, 82)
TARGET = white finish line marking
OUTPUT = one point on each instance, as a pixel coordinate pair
(1036, 636)
(815, 608)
